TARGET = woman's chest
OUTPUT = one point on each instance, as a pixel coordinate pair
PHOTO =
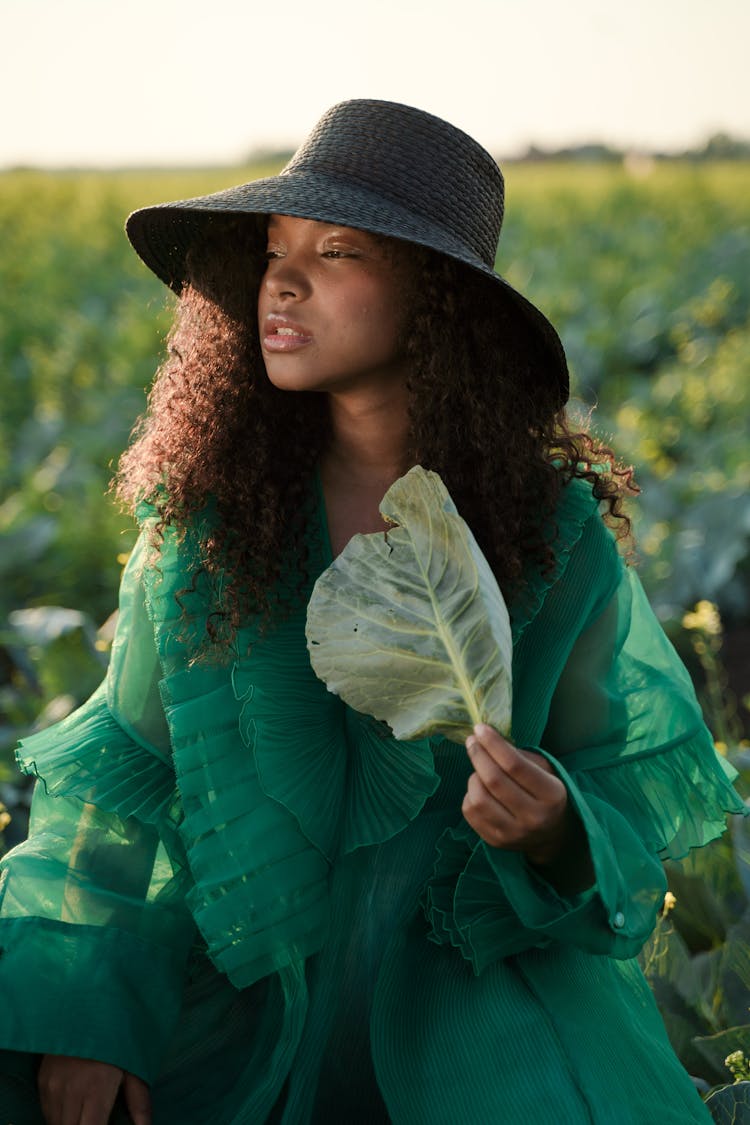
(351, 512)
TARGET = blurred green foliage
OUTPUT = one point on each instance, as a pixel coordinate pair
(647, 275)
(697, 960)
(81, 330)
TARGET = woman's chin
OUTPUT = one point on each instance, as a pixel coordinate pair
(290, 382)
(294, 377)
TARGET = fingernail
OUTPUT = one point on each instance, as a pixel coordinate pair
(471, 744)
(482, 730)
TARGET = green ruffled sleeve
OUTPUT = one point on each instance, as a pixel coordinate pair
(619, 722)
(94, 929)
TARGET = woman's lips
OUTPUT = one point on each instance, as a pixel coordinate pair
(282, 335)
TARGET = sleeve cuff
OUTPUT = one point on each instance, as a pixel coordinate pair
(88, 991)
(90, 756)
(617, 912)
(491, 904)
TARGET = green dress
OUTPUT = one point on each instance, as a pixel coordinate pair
(260, 902)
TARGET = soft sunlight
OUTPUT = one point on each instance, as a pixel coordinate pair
(170, 81)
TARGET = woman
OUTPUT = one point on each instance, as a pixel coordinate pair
(242, 901)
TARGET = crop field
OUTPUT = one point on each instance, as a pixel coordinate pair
(644, 268)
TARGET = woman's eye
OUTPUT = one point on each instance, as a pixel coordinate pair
(269, 255)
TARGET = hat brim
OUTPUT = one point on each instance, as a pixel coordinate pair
(163, 234)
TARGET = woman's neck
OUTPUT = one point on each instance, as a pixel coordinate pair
(369, 442)
(368, 451)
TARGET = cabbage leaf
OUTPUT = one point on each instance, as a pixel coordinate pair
(409, 625)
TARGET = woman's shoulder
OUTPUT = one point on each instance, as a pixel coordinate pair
(168, 561)
(585, 541)
(576, 503)
(584, 555)
(173, 535)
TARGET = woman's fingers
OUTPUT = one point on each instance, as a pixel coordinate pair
(511, 774)
(137, 1099)
(513, 799)
(489, 818)
(98, 1103)
(76, 1091)
(499, 759)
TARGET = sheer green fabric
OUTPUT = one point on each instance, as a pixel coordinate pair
(282, 908)
(101, 879)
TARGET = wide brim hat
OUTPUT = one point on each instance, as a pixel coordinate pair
(380, 166)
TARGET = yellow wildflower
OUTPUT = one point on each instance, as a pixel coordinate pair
(704, 617)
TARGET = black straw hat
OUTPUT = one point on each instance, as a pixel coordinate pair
(379, 166)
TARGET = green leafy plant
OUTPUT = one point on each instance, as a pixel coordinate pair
(697, 960)
(410, 626)
(730, 1105)
(51, 659)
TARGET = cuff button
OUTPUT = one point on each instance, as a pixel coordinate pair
(619, 920)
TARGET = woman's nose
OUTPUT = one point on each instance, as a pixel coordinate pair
(286, 278)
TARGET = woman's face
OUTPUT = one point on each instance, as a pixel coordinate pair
(331, 308)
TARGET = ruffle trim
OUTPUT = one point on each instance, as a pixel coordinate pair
(464, 903)
(673, 801)
(260, 894)
(577, 504)
(345, 779)
(88, 755)
(260, 891)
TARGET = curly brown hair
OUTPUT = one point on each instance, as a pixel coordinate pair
(481, 415)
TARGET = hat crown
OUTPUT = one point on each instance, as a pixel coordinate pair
(413, 159)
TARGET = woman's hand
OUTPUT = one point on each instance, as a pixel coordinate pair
(83, 1092)
(514, 799)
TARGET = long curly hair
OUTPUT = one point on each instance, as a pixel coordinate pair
(481, 415)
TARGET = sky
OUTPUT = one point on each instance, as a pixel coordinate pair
(123, 82)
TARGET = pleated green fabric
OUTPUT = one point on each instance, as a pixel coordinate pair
(270, 909)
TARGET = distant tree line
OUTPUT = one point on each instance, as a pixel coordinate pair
(720, 146)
